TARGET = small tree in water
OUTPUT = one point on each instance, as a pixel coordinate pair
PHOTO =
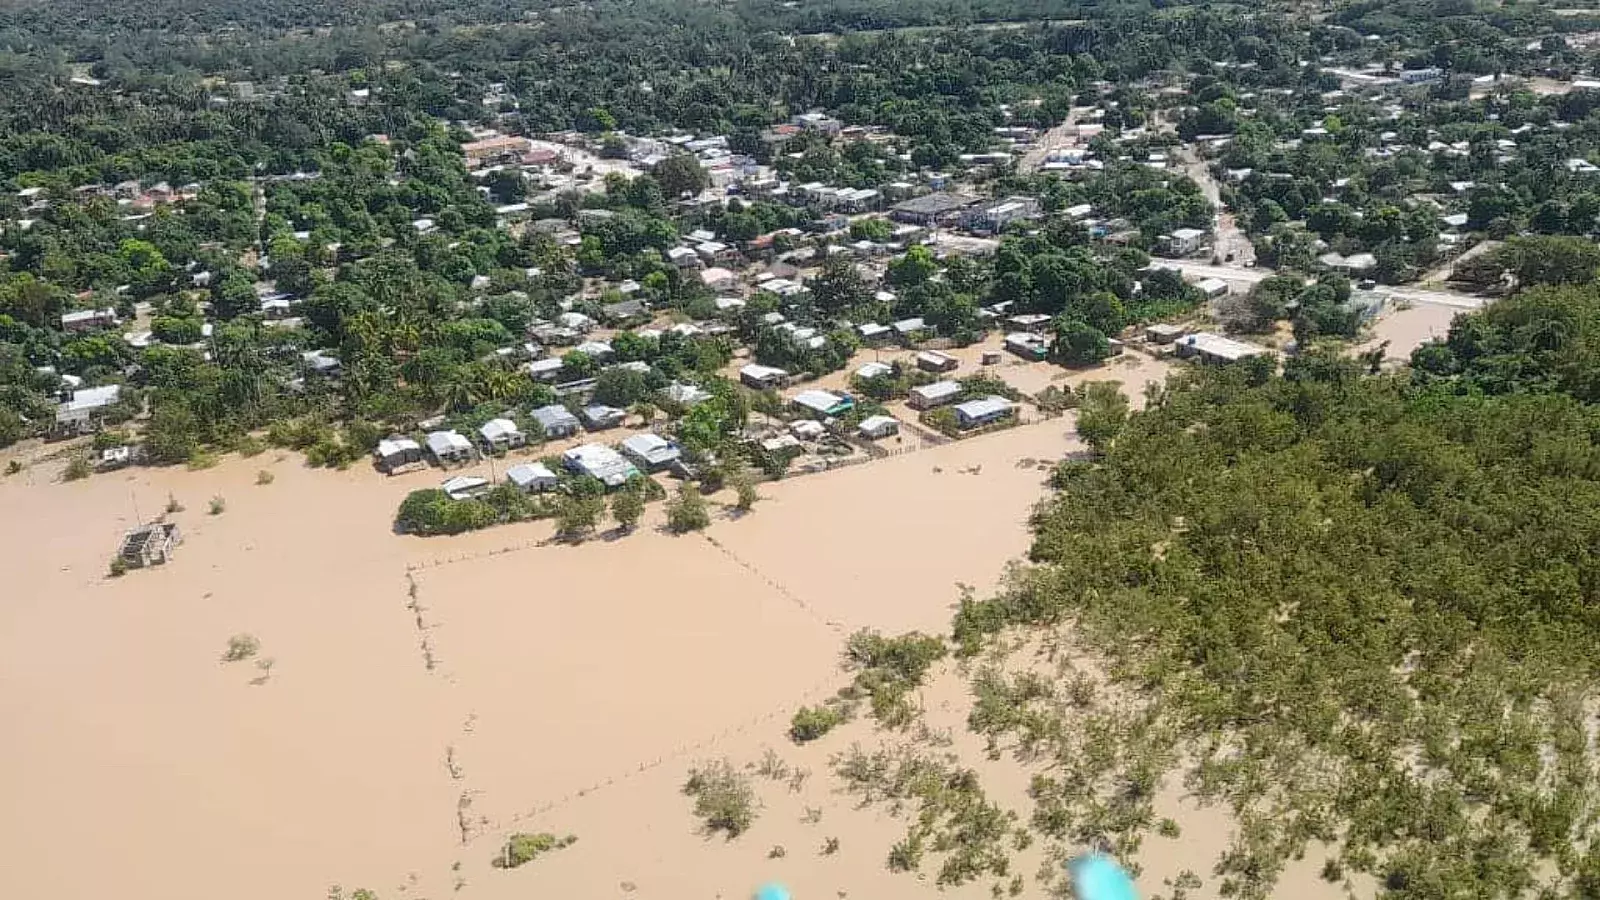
(627, 507)
(687, 511)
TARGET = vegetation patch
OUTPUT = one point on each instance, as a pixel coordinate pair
(724, 801)
(520, 849)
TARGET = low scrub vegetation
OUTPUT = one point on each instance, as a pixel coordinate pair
(521, 849)
(723, 799)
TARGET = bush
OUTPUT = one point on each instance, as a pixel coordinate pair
(217, 505)
(78, 468)
(119, 567)
(241, 647)
(748, 496)
(521, 849)
(687, 511)
(264, 477)
(810, 723)
(723, 799)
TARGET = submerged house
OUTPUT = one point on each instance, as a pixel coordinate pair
(149, 545)
(600, 462)
(985, 411)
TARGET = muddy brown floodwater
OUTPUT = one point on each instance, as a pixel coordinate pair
(398, 736)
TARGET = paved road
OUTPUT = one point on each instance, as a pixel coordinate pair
(1247, 275)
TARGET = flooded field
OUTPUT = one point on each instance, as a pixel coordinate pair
(413, 701)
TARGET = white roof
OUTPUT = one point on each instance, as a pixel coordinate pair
(1221, 347)
(555, 415)
(759, 372)
(530, 473)
(808, 429)
(441, 442)
(650, 447)
(986, 406)
(872, 424)
(874, 370)
(821, 401)
(461, 485)
(495, 429)
(601, 462)
(93, 398)
(1211, 285)
(937, 391)
(905, 326)
(538, 366)
(1185, 234)
(394, 446)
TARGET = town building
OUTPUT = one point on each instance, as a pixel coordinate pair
(1182, 242)
(933, 210)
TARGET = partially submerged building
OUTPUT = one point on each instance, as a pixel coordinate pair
(449, 448)
(651, 452)
(149, 545)
(395, 453)
(599, 462)
(984, 411)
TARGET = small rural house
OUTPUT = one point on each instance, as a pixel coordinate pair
(599, 462)
(548, 369)
(556, 421)
(759, 377)
(912, 329)
(395, 453)
(807, 429)
(598, 416)
(928, 396)
(684, 395)
(500, 435)
(1183, 241)
(89, 319)
(937, 361)
(823, 403)
(449, 448)
(149, 545)
(875, 370)
(1214, 348)
(985, 411)
(1163, 332)
(1027, 345)
(875, 428)
(532, 477)
(651, 452)
(465, 487)
(86, 408)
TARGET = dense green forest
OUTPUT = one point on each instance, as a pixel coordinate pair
(1360, 610)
